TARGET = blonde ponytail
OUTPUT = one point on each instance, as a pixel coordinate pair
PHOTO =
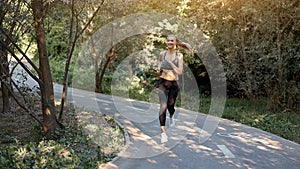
(187, 47)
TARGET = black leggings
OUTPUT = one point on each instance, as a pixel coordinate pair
(168, 92)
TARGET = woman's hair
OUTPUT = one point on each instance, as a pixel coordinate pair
(181, 44)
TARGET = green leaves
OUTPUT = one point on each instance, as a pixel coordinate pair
(46, 154)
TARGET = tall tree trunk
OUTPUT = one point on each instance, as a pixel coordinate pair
(97, 65)
(50, 123)
(4, 67)
(4, 73)
(73, 39)
(101, 76)
(68, 62)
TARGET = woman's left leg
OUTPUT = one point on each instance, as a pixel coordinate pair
(172, 96)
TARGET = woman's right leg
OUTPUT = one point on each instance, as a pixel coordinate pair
(162, 93)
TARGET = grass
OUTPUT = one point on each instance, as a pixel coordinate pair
(255, 113)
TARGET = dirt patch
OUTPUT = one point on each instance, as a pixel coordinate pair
(18, 125)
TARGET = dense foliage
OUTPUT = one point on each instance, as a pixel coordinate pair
(256, 40)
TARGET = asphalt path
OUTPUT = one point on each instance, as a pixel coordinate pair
(231, 145)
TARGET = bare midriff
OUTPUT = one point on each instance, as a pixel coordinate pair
(169, 75)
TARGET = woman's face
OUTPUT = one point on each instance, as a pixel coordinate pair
(171, 42)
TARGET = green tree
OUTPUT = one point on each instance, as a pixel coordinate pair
(50, 122)
(257, 42)
(8, 23)
(14, 21)
(75, 33)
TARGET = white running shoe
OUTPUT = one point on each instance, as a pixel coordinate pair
(172, 122)
(164, 138)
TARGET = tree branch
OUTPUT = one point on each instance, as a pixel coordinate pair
(21, 63)
(18, 102)
(77, 35)
(21, 51)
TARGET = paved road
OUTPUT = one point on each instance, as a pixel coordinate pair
(230, 146)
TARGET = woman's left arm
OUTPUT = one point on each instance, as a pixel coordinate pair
(178, 69)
